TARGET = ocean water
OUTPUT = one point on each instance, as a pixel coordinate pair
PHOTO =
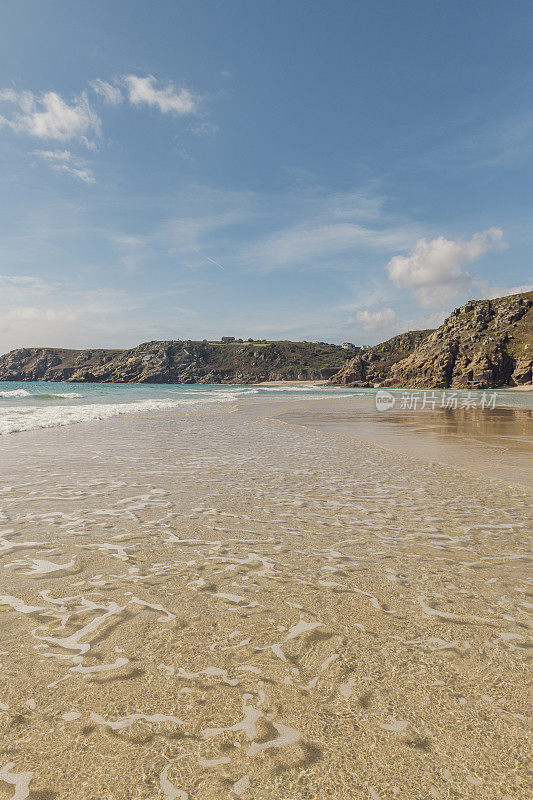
(26, 406)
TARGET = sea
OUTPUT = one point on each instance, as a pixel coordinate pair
(26, 406)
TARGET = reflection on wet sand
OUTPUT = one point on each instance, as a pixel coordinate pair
(495, 442)
(214, 605)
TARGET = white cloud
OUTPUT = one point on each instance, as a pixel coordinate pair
(374, 320)
(64, 161)
(49, 116)
(143, 91)
(434, 268)
(110, 94)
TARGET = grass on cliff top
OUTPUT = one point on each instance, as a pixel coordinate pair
(239, 344)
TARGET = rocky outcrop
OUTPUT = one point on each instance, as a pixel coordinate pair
(373, 365)
(483, 344)
(178, 362)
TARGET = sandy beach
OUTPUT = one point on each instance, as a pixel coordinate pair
(267, 599)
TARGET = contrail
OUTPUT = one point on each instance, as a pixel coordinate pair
(212, 260)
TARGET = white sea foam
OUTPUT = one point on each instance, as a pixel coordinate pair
(31, 408)
(14, 393)
(20, 780)
(275, 388)
(27, 418)
(66, 395)
(170, 791)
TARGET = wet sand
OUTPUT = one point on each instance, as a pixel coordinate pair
(241, 603)
(496, 443)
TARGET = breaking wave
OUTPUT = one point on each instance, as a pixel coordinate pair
(14, 393)
(28, 418)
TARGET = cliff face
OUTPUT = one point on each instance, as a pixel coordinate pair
(374, 365)
(177, 362)
(483, 344)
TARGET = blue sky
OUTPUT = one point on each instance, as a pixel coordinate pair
(298, 169)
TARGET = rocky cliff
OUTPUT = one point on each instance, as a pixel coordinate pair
(483, 344)
(177, 362)
(374, 365)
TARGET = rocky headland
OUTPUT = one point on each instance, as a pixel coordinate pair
(178, 362)
(482, 344)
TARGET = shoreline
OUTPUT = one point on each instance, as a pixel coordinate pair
(324, 383)
(288, 383)
(318, 383)
(491, 443)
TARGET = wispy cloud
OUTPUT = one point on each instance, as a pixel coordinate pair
(336, 231)
(167, 250)
(308, 243)
(109, 93)
(17, 288)
(64, 161)
(38, 313)
(49, 116)
(489, 292)
(503, 141)
(22, 282)
(33, 313)
(169, 100)
(333, 232)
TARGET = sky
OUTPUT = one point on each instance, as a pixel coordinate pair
(283, 169)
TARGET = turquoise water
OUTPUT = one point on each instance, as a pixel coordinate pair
(31, 405)
(47, 393)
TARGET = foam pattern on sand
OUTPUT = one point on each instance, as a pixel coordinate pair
(215, 605)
